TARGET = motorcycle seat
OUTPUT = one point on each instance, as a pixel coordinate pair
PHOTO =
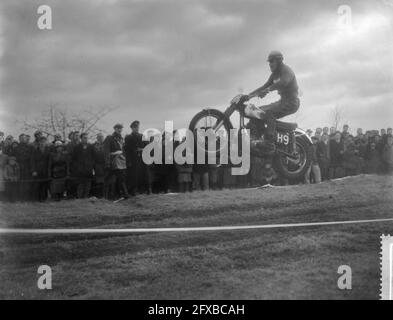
(288, 126)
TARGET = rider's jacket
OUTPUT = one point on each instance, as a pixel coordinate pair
(284, 81)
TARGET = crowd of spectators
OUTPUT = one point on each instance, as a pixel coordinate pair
(339, 154)
(111, 167)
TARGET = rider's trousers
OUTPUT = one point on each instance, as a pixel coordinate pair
(274, 111)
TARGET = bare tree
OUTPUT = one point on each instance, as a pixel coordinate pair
(336, 116)
(56, 120)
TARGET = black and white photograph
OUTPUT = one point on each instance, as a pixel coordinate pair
(196, 155)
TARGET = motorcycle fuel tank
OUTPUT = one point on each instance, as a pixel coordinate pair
(251, 111)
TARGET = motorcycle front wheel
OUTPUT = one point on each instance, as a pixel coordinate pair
(212, 119)
(209, 119)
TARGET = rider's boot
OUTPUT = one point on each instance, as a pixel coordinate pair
(270, 132)
(262, 147)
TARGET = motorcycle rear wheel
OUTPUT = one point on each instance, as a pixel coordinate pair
(295, 169)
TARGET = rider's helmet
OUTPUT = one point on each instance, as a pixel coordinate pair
(275, 55)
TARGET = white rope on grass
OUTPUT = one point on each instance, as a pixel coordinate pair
(184, 229)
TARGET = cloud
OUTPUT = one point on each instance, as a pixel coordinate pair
(165, 60)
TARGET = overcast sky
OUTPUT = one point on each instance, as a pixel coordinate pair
(165, 60)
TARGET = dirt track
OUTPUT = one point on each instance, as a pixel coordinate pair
(254, 264)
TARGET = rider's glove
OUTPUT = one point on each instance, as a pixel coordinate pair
(246, 97)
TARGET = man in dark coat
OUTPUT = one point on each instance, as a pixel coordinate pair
(99, 167)
(323, 156)
(69, 150)
(373, 159)
(133, 147)
(83, 158)
(23, 155)
(40, 169)
(336, 154)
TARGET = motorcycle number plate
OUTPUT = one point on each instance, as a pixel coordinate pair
(282, 138)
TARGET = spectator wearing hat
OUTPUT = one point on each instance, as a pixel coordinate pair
(323, 155)
(23, 155)
(373, 159)
(351, 160)
(37, 137)
(8, 144)
(133, 146)
(56, 138)
(359, 132)
(115, 163)
(332, 133)
(345, 130)
(12, 177)
(58, 171)
(314, 168)
(318, 133)
(385, 136)
(378, 144)
(83, 158)
(39, 167)
(21, 137)
(13, 148)
(336, 153)
(383, 133)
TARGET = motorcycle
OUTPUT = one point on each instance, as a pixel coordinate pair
(293, 147)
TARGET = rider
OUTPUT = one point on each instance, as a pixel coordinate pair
(283, 80)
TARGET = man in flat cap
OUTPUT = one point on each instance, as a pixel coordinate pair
(115, 163)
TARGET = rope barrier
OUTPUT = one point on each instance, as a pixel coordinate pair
(184, 229)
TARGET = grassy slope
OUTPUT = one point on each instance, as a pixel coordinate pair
(259, 264)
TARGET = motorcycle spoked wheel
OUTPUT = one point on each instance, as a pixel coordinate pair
(202, 116)
(295, 169)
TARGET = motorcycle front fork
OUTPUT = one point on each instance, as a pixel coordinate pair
(242, 126)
